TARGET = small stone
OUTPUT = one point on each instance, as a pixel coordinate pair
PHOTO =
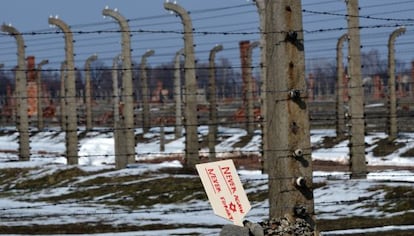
(234, 230)
(254, 228)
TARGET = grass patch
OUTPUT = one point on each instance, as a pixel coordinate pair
(244, 140)
(364, 222)
(398, 198)
(52, 134)
(7, 132)
(149, 191)
(173, 185)
(408, 153)
(93, 228)
(9, 175)
(384, 147)
(330, 142)
(55, 179)
(20, 179)
(258, 196)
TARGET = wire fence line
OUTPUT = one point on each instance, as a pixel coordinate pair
(140, 25)
(235, 110)
(238, 116)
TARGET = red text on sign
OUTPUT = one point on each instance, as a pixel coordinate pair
(226, 208)
(213, 180)
(238, 203)
(228, 177)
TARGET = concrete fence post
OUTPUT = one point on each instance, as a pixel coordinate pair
(392, 95)
(88, 92)
(70, 94)
(21, 93)
(190, 108)
(212, 97)
(178, 95)
(128, 128)
(340, 109)
(356, 94)
(146, 125)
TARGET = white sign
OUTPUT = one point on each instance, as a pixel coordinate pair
(224, 190)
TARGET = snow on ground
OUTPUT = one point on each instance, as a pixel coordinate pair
(339, 152)
(338, 198)
(97, 147)
(371, 230)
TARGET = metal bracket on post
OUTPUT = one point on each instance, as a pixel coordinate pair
(300, 182)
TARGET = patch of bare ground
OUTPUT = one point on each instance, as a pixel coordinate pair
(409, 153)
(385, 147)
(368, 222)
(330, 141)
(92, 228)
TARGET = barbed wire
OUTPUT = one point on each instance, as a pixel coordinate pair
(180, 32)
(359, 16)
(111, 33)
(237, 32)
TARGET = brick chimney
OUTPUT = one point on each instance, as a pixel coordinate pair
(31, 70)
(31, 86)
(244, 49)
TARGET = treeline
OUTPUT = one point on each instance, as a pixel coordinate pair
(228, 77)
(373, 63)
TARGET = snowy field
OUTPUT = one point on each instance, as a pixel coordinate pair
(338, 197)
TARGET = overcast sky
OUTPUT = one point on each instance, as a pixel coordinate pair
(32, 15)
(220, 16)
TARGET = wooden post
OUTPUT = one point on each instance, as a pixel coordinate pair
(356, 94)
(288, 137)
